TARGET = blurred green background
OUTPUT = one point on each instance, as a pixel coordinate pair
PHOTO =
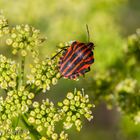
(109, 21)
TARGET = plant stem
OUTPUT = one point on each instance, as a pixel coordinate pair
(22, 70)
(17, 121)
(32, 130)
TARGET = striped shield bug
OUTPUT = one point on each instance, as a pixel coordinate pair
(76, 59)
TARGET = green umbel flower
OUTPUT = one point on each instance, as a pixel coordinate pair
(4, 29)
(132, 48)
(55, 136)
(16, 103)
(14, 133)
(44, 116)
(74, 107)
(44, 74)
(8, 73)
(128, 97)
(24, 38)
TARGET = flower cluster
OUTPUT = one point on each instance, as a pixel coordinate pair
(44, 74)
(24, 38)
(128, 97)
(73, 107)
(44, 116)
(8, 73)
(103, 86)
(16, 103)
(55, 136)
(4, 29)
(133, 46)
(13, 134)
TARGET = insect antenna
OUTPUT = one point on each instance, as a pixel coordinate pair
(57, 54)
(62, 49)
(88, 34)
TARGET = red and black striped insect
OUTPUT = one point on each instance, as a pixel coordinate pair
(76, 59)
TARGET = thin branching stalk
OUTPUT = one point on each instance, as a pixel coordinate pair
(22, 70)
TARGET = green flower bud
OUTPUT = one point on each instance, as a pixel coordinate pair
(29, 102)
(13, 35)
(39, 128)
(14, 52)
(4, 85)
(68, 119)
(43, 107)
(49, 119)
(37, 82)
(31, 120)
(60, 104)
(81, 111)
(43, 120)
(32, 113)
(72, 102)
(37, 121)
(15, 44)
(4, 117)
(43, 138)
(48, 75)
(65, 108)
(46, 124)
(82, 105)
(24, 97)
(76, 98)
(47, 110)
(54, 81)
(78, 122)
(69, 113)
(54, 136)
(23, 53)
(12, 84)
(70, 95)
(66, 102)
(63, 136)
(78, 115)
(31, 95)
(12, 108)
(7, 106)
(51, 114)
(35, 104)
(67, 125)
(33, 70)
(77, 104)
(37, 110)
(9, 41)
(38, 116)
(58, 75)
(72, 108)
(24, 108)
(74, 117)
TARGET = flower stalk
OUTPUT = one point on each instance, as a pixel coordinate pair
(22, 70)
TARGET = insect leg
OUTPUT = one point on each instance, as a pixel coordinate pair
(87, 70)
(84, 71)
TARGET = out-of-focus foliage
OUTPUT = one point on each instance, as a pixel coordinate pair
(118, 84)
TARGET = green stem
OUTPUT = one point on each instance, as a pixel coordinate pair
(32, 130)
(22, 70)
(17, 121)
